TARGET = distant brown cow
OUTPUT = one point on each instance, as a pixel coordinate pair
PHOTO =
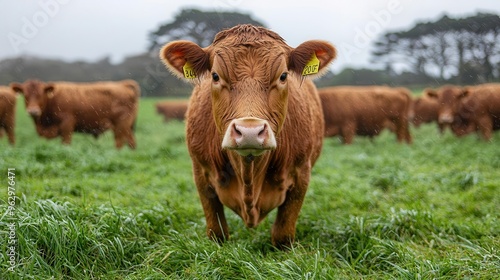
(425, 110)
(7, 113)
(448, 98)
(254, 124)
(61, 108)
(172, 109)
(478, 110)
(365, 111)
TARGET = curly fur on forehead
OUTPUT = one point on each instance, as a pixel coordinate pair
(257, 61)
(246, 33)
(249, 51)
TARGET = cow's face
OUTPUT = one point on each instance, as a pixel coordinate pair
(249, 79)
(249, 97)
(36, 94)
(449, 98)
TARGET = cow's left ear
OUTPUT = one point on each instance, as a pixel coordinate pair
(17, 88)
(311, 58)
(49, 90)
(185, 59)
(432, 93)
(465, 92)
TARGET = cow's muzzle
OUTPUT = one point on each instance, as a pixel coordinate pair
(445, 118)
(34, 111)
(249, 136)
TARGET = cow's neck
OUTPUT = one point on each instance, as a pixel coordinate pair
(251, 173)
(247, 175)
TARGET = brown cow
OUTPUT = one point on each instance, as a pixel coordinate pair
(7, 113)
(61, 108)
(254, 124)
(478, 110)
(448, 98)
(365, 111)
(425, 110)
(172, 109)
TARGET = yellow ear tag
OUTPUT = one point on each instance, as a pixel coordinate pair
(188, 71)
(312, 67)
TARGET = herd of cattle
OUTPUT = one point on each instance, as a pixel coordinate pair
(254, 124)
(61, 108)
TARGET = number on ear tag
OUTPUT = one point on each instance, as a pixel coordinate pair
(312, 67)
(188, 71)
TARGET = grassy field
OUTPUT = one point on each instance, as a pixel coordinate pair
(374, 210)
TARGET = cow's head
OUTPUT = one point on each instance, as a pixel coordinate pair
(250, 70)
(36, 95)
(449, 98)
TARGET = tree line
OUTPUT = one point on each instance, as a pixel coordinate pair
(449, 50)
(460, 50)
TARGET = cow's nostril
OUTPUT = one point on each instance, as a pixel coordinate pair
(235, 129)
(262, 132)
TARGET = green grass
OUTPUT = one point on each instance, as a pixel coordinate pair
(374, 210)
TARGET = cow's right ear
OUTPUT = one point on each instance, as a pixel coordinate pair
(185, 59)
(465, 92)
(49, 90)
(311, 58)
(432, 93)
(17, 88)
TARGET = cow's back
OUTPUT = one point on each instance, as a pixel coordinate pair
(394, 101)
(366, 111)
(351, 106)
(488, 95)
(339, 108)
(95, 100)
(172, 109)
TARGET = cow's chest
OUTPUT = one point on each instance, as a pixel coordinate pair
(266, 195)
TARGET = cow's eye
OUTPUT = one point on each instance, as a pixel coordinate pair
(283, 77)
(215, 77)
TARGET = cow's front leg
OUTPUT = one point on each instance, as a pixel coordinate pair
(486, 127)
(213, 208)
(67, 127)
(9, 129)
(348, 131)
(283, 231)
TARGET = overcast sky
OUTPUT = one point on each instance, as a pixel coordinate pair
(93, 29)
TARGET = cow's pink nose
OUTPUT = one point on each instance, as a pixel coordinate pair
(34, 111)
(446, 118)
(249, 136)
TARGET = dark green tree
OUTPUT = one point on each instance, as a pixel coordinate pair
(447, 48)
(197, 26)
